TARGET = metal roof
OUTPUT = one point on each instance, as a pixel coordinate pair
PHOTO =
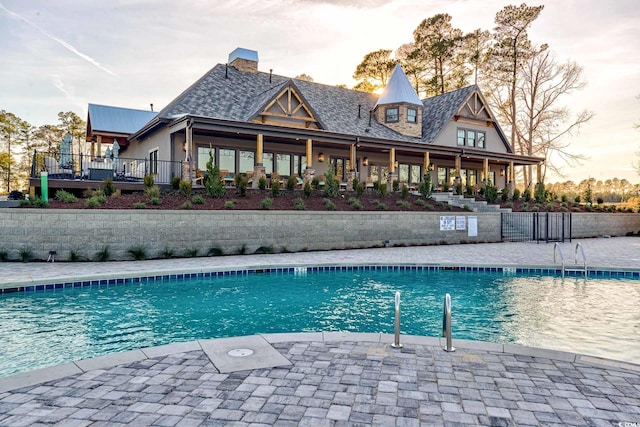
(118, 120)
(398, 90)
(239, 52)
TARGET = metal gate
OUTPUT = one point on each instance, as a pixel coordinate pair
(536, 226)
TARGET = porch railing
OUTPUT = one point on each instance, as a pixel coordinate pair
(83, 167)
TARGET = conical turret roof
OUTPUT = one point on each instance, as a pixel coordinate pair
(398, 90)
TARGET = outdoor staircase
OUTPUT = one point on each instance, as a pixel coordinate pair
(469, 202)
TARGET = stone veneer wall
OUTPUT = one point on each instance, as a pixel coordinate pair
(89, 231)
(600, 224)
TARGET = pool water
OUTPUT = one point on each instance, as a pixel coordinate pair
(595, 316)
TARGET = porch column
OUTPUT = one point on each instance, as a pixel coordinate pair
(426, 163)
(351, 173)
(309, 172)
(485, 171)
(539, 172)
(187, 169)
(258, 167)
(93, 146)
(512, 180)
(392, 169)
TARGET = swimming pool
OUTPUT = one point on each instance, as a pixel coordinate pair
(597, 316)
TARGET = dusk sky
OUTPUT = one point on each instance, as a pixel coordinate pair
(61, 55)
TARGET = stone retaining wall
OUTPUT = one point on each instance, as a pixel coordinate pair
(601, 224)
(89, 231)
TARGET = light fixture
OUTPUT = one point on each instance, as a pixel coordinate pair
(365, 161)
(321, 157)
(395, 164)
(432, 166)
(501, 172)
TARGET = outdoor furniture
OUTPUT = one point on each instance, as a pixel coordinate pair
(136, 171)
(100, 170)
(55, 171)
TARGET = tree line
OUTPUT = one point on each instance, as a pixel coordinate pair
(524, 82)
(19, 139)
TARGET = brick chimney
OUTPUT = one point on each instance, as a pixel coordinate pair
(244, 60)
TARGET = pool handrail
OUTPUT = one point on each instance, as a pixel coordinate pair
(446, 323)
(584, 257)
(557, 249)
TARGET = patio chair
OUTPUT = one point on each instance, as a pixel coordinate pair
(136, 171)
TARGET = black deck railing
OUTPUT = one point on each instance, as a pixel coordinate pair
(536, 226)
(84, 167)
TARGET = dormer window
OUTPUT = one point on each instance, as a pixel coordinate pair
(412, 115)
(391, 114)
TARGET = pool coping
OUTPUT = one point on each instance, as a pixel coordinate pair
(56, 372)
(28, 285)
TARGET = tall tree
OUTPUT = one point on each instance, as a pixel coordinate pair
(409, 59)
(510, 51)
(542, 123)
(304, 77)
(375, 69)
(477, 45)
(13, 131)
(77, 128)
(436, 42)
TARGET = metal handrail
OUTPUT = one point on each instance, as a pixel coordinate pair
(446, 323)
(396, 341)
(584, 257)
(557, 249)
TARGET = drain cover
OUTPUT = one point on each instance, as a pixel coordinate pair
(240, 352)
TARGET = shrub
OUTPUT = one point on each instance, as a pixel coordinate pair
(526, 195)
(599, 200)
(379, 205)
(230, 204)
(65, 197)
(4, 255)
(355, 203)
(331, 185)
(242, 249)
(153, 191)
(358, 187)
(139, 205)
(262, 183)
(102, 255)
(39, 203)
(185, 188)
(26, 255)
(459, 188)
(298, 204)
(445, 187)
(425, 186)
(275, 187)
(215, 251)
(96, 201)
(264, 250)
(516, 195)
(307, 189)
(241, 185)
(267, 203)
(382, 189)
(421, 202)
(107, 187)
(469, 190)
(186, 205)
(291, 183)
(148, 180)
(540, 192)
(138, 253)
(167, 253)
(16, 195)
(75, 256)
(175, 183)
(197, 200)
(191, 253)
(212, 181)
(403, 204)
(328, 203)
(315, 183)
(564, 198)
(504, 196)
(405, 191)
(155, 201)
(395, 186)
(491, 193)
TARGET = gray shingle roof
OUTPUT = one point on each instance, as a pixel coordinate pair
(118, 120)
(240, 96)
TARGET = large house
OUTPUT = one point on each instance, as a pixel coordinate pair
(259, 124)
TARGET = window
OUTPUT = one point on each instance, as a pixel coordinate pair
(228, 160)
(415, 174)
(267, 161)
(391, 115)
(299, 164)
(283, 164)
(153, 162)
(403, 173)
(246, 161)
(412, 115)
(471, 138)
(203, 157)
(442, 176)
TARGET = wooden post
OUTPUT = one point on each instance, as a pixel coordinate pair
(457, 166)
(259, 148)
(426, 163)
(512, 174)
(309, 153)
(485, 170)
(539, 172)
(352, 157)
(392, 160)
(188, 141)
